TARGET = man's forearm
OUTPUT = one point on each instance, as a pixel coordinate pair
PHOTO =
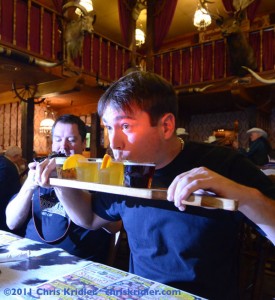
(260, 210)
(18, 209)
(78, 205)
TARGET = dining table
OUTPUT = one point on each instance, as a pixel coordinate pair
(35, 270)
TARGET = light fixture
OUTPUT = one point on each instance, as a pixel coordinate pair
(140, 37)
(201, 18)
(47, 123)
(87, 4)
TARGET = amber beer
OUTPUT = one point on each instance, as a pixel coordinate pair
(113, 174)
(87, 169)
(59, 165)
(138, 175)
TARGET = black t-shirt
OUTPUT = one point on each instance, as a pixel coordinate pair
(9, 185)
(195, 250)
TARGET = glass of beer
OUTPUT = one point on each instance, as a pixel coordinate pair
(138, 175)
(59, 161)
(113, 174)
(87, 169)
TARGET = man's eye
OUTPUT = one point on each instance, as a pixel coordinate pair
(125, 126)
(71, 140)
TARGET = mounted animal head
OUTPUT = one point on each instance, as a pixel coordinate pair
(139, 6)
(78, 22)
(239, 50)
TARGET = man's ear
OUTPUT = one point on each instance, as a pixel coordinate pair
(168, 124)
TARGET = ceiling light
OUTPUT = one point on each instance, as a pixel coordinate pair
(140, 37)
(46, 126)
(47, 123)
(87, 4)
(201, 18)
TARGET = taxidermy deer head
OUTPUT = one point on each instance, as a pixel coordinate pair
(239, 50)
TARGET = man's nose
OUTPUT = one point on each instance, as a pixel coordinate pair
(63, 144)
(116, 140)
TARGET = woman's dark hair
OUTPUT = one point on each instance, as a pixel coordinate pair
(72, 119)
(147, 91)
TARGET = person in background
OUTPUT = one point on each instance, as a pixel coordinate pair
(192, 248)
(39, 208)
(211, 139)
(14, 154)
(9, 180)
(259, 147)
(182, 133)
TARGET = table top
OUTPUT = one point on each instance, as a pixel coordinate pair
(32, 270)
(25, 263)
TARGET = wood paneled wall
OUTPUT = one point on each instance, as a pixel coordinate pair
(10, 125)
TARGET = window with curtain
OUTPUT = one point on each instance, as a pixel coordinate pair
(157, 64)
(6, 22)
(112, 61)
(219, 53)
(255, 43)
(21, 24)
(104, 58)
(95, 55)
(87, 53)
(207, 61)
(47, 34)
(186, 66)
(176, 68)
(196, 64)
(268, 49)
(35, 23)
(119, 62)
(166, 66)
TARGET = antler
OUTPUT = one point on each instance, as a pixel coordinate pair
(237, 4)
(240, 5)
(217, 17)
(73, 4)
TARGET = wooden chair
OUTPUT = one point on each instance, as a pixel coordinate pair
(256, 253)
(114, 246)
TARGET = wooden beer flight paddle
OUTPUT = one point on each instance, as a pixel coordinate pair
(204, 200)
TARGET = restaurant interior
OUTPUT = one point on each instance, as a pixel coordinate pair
(49, 67)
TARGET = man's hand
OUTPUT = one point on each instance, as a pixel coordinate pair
(201, 178)
(30, 182)
(42, 172)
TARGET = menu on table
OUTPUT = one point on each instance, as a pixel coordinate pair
(97, 281)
